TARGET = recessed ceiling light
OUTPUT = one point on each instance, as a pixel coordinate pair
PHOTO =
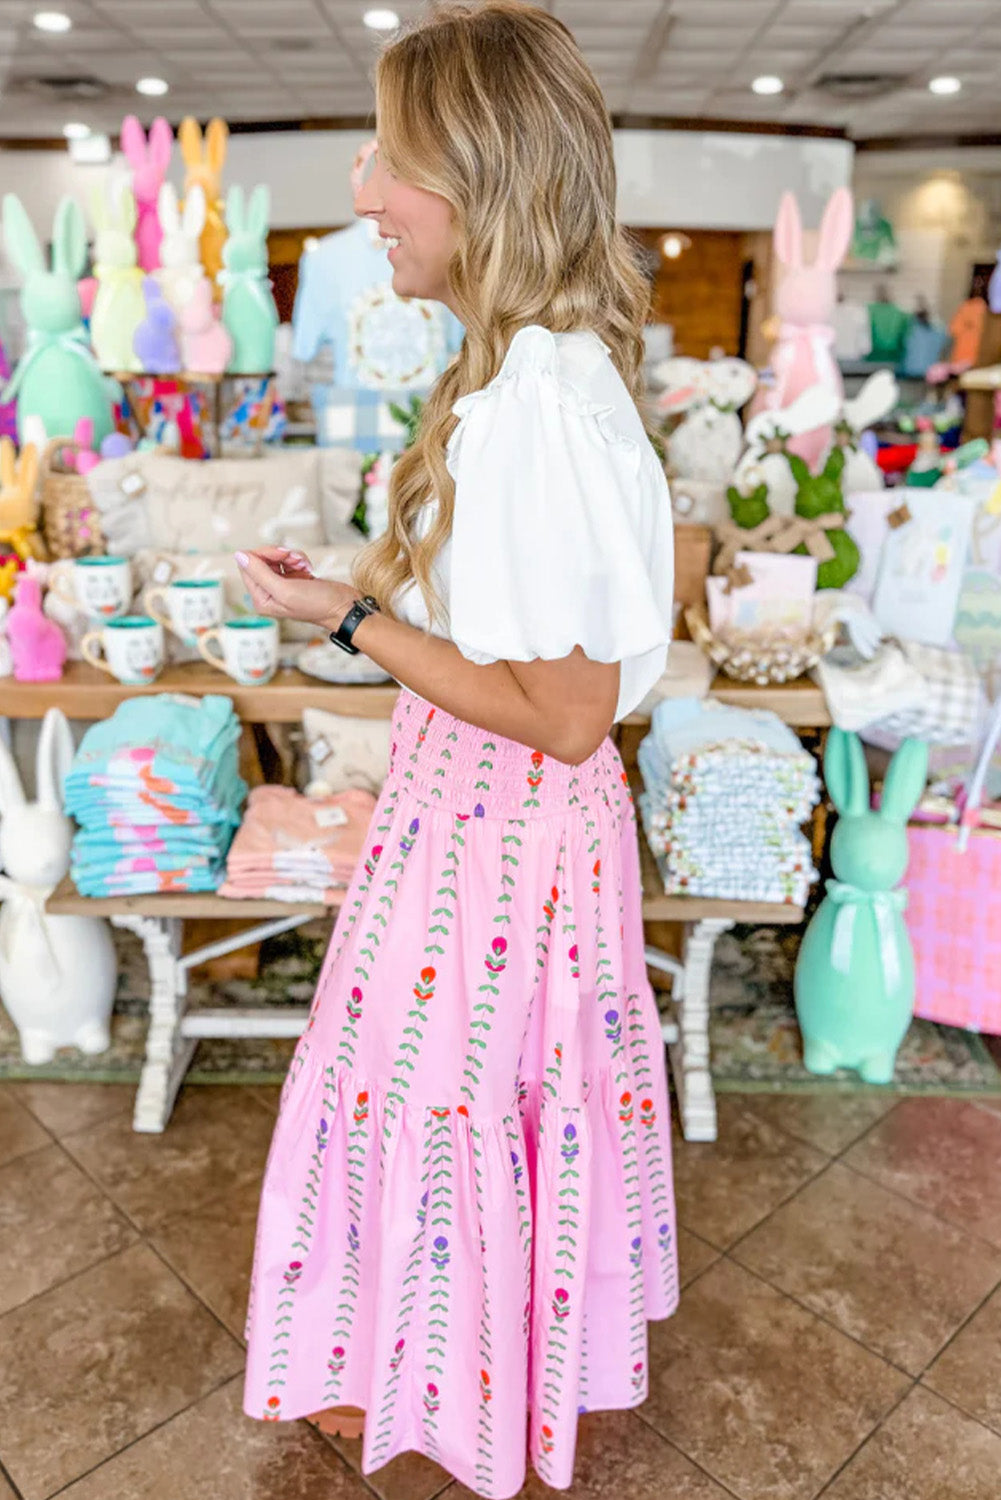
(76, 131)
(768, 84)
(154, 86)
(52, 20)
(945, 85)
(381, 20)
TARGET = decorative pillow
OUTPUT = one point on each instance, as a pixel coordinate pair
(346, 751)
(159, 566)
(288, 497)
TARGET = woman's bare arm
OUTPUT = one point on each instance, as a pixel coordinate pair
(564, 708)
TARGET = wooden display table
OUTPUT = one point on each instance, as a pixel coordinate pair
(87, 693)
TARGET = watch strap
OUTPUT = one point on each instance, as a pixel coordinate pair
(358, 612)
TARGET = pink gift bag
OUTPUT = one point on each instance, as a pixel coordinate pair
(953, 912)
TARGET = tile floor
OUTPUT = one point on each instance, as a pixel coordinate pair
(839, 1334)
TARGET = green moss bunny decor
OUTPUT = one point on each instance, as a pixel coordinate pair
(822, 495)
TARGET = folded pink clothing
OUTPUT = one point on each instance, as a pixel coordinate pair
(282, 891)
(286, 838)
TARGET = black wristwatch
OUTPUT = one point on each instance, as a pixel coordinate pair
(358, 611)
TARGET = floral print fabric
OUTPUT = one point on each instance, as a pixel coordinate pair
(467, 1215)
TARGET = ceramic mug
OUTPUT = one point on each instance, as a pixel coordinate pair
(102, 586)
(249, 648)
(188, 606)
(129, 648)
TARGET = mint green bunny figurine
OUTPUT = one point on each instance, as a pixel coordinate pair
(854, 981)
(248, 307)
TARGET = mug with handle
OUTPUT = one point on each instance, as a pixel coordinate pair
(129, 648)
(188, 606)
(248, 646)
(102, 586)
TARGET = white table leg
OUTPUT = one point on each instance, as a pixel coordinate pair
(168, 1053)
(690, 1064)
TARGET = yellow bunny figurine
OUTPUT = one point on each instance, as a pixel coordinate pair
(18, 503)
(204, 170)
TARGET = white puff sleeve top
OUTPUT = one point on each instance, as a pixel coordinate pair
(562, 532)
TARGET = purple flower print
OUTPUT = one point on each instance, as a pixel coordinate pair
(479, 810)
(422, 1211)
(515, 1162)
(571, 1145)
(613, 1027)
(440, 1256)
(322, 1138)
(353, 1241)
(636, 1251)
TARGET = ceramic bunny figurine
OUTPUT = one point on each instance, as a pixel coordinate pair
(57, 379)
(118, 307)
(155, 342)
(149, 163)
(57, 974)
(248, 308)
(876, 398)
(854, 982)
(182, 269)
(205, 344)
(204, 170)
(769, 438)
(803, 357)
(37, 643)
(18, 499)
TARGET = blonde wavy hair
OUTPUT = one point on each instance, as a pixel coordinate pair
(493, 107)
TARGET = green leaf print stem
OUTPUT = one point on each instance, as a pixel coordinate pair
(285, 1301)
(411, 1286)
(440, 1211)
(484, 1424)
(658, 1177)
(359, 1140)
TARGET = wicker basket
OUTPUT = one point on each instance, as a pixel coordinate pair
(71, 522)
(760, 661)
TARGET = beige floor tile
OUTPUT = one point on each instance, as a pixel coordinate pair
(694, 1256)
(409, 1476)
(97, 1362)
(619, 1456)
(213, 1452)
(20, 1132)
(969, 1371)
(831, 1122)
(211, 1248)
(761, 1394)
(54, 1223)
(927, 1450)
(726, 1187)
(7, 1492)
(878, 1267)
(941, 1153)
(62, 1107)
(216, 1139)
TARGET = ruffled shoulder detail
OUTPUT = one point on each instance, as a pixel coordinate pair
(534, 353)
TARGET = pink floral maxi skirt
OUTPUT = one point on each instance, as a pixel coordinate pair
(467, 1215)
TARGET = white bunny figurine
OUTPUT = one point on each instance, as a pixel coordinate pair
(57, 974)
(878, 396)
(180, 266)
(767, 435)
(710, 393)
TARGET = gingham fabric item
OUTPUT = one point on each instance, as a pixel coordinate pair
(347, 417)
(952, 704)
(955, 924)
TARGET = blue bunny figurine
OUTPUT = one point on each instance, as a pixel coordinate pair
(854, 982)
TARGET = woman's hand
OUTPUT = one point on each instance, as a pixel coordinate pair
(282, 584)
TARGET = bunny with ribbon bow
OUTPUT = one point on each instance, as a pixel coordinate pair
(854, 982)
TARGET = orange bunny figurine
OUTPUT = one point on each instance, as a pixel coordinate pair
(204, 170)
(18, 502)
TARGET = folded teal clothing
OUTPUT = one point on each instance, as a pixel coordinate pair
(165, 749)
(147, 882)
(137, 839)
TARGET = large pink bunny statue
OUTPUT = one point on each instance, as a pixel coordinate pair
(805, 299)
(149, 167)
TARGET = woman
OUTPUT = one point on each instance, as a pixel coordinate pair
(467, 1213)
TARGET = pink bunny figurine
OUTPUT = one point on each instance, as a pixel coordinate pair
(149, 167)
(37, 644)
(805, 299)
(205, 343)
